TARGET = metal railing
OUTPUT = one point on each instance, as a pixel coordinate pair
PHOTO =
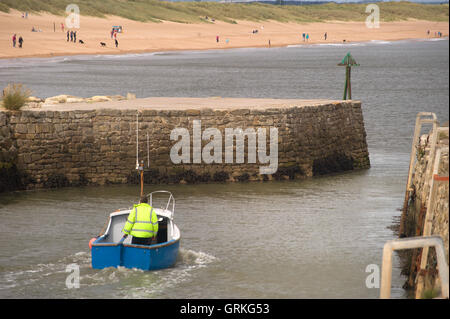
(171, 199)
(417, 129)
(431, 203)
(410, 243)
(421, 118)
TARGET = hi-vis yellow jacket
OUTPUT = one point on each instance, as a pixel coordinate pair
(142, 222)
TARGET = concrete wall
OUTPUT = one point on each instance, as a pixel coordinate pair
(98, 146)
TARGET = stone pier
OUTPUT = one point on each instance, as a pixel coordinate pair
(95, 143)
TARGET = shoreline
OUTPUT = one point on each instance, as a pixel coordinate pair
(149, 51)
(148, 37)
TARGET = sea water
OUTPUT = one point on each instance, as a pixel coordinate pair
(314, 238)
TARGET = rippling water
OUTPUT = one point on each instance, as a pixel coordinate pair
(293, 239)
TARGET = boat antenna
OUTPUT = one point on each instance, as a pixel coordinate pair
(148, 153)
(141, 171)
(137, 140)
(140, 167)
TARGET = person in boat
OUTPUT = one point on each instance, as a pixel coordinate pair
(142, 223)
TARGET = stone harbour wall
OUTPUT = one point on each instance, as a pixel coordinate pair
(53, 148)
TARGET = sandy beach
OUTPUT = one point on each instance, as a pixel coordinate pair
(139, 37)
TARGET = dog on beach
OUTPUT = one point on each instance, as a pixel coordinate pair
(103, 44)
(81, 41)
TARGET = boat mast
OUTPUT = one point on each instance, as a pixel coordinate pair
(140, 167)
(137, 140)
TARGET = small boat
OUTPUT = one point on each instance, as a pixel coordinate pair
(112, 250)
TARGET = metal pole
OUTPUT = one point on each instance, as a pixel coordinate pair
(386, 272)
(346, 81)
(142, 179)
(349, 83)
(137, 140)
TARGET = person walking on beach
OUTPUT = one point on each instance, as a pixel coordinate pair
(68, 35)
(14, 38)
(303, 35)
(116, 42)
(325, 36)
(75, 36)
(217, 38)
(20, 41)
(307, 37)
(71, 36)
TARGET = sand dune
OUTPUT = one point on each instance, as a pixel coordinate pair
(141, 37)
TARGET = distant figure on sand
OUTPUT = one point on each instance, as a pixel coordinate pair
(14, 38)
(20, 41)
(75, 36)
(68, 35)
(71, 36)
(304, 36)
(62, 27)
(117, 43)
(217, 38)
(307, 37)
(269, 43)
(112, 33)
(325, 36)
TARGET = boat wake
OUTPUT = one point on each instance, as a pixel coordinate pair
(160, 284)
(39, 279)
(193, 258)
(19, 281)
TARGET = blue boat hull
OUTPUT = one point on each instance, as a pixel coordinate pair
(143, 257)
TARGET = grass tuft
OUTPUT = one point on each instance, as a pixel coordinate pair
(15, 96)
